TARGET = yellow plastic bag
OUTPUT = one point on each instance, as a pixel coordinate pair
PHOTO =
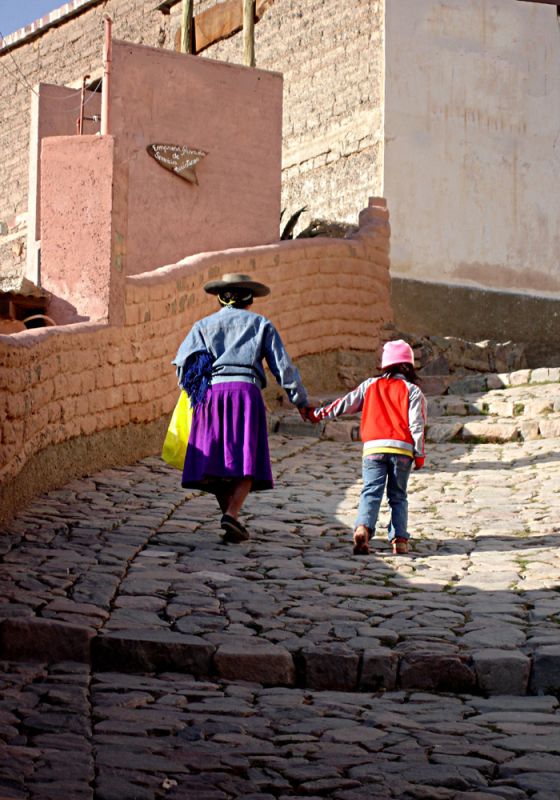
(177, 437)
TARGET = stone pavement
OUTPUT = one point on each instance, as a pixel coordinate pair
(143, 658)
(78, 735)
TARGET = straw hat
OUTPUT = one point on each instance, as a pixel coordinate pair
(234, 280)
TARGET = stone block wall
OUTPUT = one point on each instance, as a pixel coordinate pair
(473, 313)
(80, 397)
(332, 57)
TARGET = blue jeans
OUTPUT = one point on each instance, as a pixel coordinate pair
(378, 470)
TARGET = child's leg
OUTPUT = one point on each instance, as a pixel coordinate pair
(399, 468)
(374, 473)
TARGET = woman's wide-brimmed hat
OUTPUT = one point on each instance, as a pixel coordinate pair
(234, 280)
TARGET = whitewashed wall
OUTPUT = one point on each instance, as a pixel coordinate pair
(472, 155)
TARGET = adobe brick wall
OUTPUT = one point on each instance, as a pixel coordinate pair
(80, 397)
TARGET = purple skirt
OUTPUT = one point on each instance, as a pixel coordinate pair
(228, 439)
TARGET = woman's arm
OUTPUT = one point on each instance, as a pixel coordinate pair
(281, 366)
(192, 343)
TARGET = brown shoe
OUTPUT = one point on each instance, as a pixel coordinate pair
(234, 531)
(400, 546)
(361, 539)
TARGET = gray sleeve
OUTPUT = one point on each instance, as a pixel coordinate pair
(192, 343)
(417, 419)
(351, 403)
(282, 368)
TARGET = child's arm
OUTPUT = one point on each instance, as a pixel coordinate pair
(351, 403)
(417, 424)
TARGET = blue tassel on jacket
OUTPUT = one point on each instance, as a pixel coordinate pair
(195, 376)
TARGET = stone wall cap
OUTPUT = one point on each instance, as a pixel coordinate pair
(14, 284)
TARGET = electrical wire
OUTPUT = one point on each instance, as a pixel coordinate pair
(25, 83)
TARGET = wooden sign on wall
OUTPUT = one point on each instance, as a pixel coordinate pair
(177, 158)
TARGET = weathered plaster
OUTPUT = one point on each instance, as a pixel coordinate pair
(76, 229)
(54, 112)
(472, 154)
(431, 308)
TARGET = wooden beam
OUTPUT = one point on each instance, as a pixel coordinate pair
(187, 27)
(218, 22)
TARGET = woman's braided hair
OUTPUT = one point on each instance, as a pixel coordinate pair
(236, 298)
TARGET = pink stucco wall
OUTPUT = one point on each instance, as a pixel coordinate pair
(76, 239)
(54, 112)
(58, 385)
(233, 113)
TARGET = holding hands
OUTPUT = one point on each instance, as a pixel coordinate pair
(307, 413)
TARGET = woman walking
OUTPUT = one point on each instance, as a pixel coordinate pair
(220, 365)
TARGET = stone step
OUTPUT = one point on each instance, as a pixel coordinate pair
(518, 411)
(480, 430)
(289, 423)
(472, 429)
(335, 666)
(479, 383)
(497, 404)
(126, 571)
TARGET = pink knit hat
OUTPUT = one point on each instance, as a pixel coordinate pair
(397, 352)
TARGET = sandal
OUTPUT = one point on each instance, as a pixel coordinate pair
(234, 531)
(361, 539)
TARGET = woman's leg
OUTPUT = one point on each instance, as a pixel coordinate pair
(231, 506)
(238, 494)
(232, 494)
(223, 495)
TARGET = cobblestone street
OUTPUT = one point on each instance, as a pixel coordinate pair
(143, 658)
(332, 227)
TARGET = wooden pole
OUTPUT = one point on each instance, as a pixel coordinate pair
(106, 87)
(80, 120)
(249, 33)
(187, 27)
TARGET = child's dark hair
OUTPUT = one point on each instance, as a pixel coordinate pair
(403, 369)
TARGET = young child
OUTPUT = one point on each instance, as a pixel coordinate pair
(392, 430)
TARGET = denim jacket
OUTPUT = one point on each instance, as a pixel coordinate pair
(239, 340)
